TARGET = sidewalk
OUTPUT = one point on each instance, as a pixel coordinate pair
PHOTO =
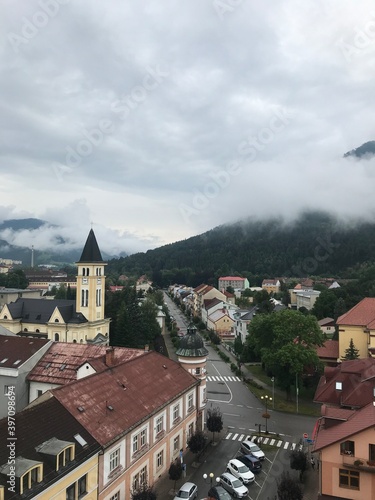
(164, 486)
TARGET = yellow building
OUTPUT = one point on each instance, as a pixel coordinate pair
(53, 458)
(80, 321)
(358, 324)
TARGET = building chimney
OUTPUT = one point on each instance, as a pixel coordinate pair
(110, 356)
(147, 347)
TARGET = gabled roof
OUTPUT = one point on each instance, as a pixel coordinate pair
(40, 310)
(60, 363)
(330, 349)
(326, 322)
(357, 378)
(232, 278)
(220, 313)
(17, 350)
(356, 422)
(119, 398)
(209, 303)
(199, 288)
(270, 282)
(362, 314)
(91, 252)
(35, 426)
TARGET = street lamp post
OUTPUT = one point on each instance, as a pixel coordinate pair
(266, 415)
(210, 476)
(273, 392)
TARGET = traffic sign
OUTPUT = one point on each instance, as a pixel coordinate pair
(305, 436)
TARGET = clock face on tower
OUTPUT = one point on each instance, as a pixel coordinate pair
(84, 281)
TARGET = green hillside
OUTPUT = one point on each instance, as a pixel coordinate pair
(316, 244)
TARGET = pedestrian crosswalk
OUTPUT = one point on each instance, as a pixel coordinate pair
(272, 441)
(212, 378)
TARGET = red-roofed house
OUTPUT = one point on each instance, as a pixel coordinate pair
(344, 436)
(18, 356)
(204, 292)
(64, 363)
(358, 324)
(328, 353)
(222, 323)
(141, 412)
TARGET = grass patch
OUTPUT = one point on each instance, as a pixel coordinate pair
(305, 407)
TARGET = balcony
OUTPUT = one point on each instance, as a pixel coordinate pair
(357, 463)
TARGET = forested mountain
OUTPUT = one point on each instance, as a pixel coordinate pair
(315, 244)
(367, 150)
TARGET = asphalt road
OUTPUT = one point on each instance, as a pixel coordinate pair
(242, 414)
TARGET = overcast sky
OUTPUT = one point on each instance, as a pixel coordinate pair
(159, 120)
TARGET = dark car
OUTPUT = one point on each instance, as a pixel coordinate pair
(219, 493)
(252, 462)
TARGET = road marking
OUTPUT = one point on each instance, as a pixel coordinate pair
(228, 436)
(286, 445)
(241, 437)
(231, 414)
(272, 442)
(279, 443)
(234, 437)
(265, 440)
(293, 446)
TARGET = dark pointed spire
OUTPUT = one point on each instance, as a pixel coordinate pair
(91, 252)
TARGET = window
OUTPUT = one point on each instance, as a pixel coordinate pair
(84, 298)
(176, 444)
(176, 412)
(114, 459)
(197, 371)
(77, 489)
(160, 459)
(347, 448)
(371, 452)
(159, 424)
(39, 393)
(139, 440)
(140, 478)
(65, 457)
(31, 477)
(98, 297)
(190, 431)
(349, 479)
(190, 401)
(116, 496)
(57, 337)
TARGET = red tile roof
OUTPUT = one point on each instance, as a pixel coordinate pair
(13, 349)
(208, 303)
(60, 363)
(362, 314)
(134, 390)
(358, 421)
(330, 349)
(232, 278)
(357, 378)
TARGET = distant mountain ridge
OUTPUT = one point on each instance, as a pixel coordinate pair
(365, 150)
(315, 244)
(60, 255)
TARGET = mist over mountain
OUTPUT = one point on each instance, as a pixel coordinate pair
(366, 150)
(316, 243)
(52, 244)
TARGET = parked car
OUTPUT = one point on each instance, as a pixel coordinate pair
(240, 470)
(252, 462)
(250, 448)
(233, 485)
(219, 493)
(188, 491)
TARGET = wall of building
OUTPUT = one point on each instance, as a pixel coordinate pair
(360, 339)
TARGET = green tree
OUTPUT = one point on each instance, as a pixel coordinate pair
(144, 492)
(196, 442)
(214, 421)
(324, 306)
(230, 289)
(288, 488)
(298, 461)
(61, 292)
(351, 352)
(286, 342)
(175, 472)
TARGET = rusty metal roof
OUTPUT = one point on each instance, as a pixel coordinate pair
(60, 363)
(110, 403)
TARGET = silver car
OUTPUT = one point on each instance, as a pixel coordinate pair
(188, 491)
(233, 485)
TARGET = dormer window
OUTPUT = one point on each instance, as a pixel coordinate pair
(338, 386)
(63, 451)
(27, 473)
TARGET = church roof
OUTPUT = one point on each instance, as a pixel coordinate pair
(40, 310)
(91, 252)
